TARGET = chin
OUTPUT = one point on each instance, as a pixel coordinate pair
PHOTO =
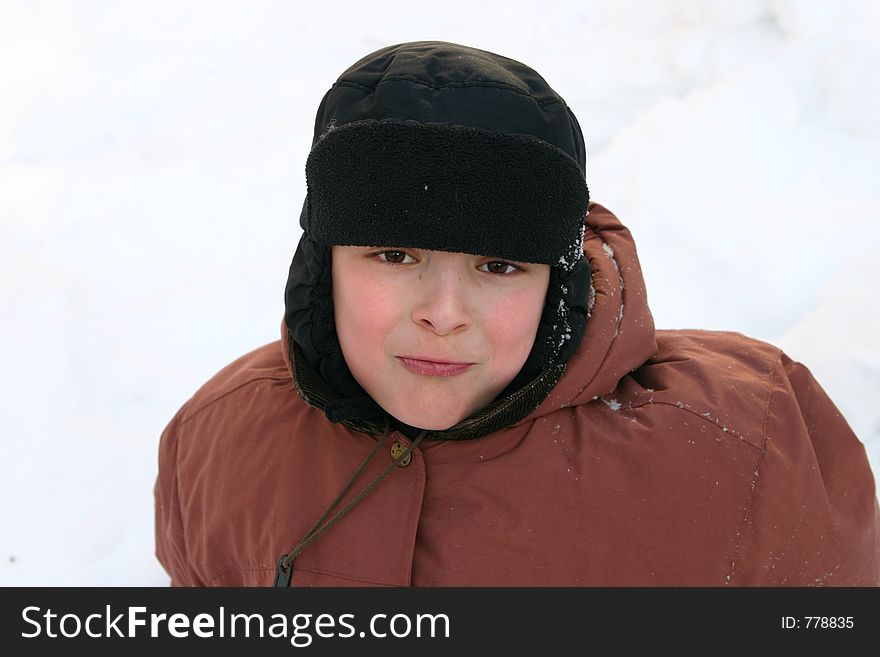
(429, 424)
(433, 420)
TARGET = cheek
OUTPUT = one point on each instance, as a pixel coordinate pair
(364, 315)
(512, 324)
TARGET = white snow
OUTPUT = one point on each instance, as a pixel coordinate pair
(613, 404)
(152, 174)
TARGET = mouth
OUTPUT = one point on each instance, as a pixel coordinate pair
(433, 367)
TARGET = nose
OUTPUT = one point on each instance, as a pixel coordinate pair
(442, 303)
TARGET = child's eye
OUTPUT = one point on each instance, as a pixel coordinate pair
(498, 267)
(396, 257)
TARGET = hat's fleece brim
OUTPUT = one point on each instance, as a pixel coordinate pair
(446, 188)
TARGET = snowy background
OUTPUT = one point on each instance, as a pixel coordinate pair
(152, 172)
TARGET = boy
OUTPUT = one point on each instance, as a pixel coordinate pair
(469, 389)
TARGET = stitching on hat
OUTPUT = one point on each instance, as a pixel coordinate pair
(476, 83)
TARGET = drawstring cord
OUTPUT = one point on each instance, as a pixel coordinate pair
(284, 572)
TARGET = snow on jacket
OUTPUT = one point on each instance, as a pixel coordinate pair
(659, 458)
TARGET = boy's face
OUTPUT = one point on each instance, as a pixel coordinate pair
(434, 336)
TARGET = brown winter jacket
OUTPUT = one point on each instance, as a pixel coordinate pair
(659, 458)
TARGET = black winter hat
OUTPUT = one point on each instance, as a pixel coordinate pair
(440, 146)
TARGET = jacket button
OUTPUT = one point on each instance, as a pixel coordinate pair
(397, 449)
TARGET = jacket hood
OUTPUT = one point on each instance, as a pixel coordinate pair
(619, 336)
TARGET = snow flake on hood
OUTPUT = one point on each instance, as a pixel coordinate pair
(575, 252)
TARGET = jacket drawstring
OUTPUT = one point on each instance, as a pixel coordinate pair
(284, 572)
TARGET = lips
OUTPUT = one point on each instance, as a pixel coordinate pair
(433, 367)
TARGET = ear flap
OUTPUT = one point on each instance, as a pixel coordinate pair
(308, 302)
